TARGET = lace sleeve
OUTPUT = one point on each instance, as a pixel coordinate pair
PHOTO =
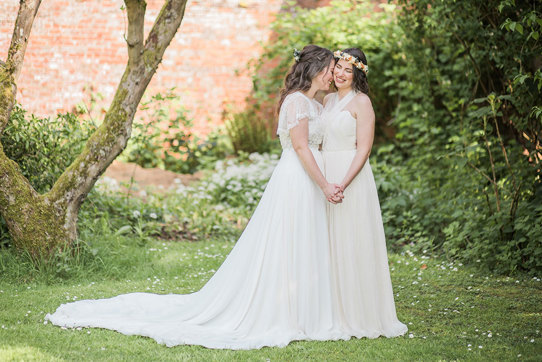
(294, 108)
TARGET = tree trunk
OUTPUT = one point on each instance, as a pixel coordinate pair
(33, 220)
(42, 223)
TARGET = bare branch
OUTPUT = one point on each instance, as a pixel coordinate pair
(481, 172)
(136, 20)
(163, 30)
(501, 142)
(10, 70)
(492, 163)
(19, 40)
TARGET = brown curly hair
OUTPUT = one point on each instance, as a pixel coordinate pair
(312, 60)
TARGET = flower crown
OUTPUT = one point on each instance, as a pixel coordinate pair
(352, 60)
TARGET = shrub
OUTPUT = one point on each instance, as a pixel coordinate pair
(218, 206)
(43, 147)
(469, 128)
(160, 140)
(250, 131)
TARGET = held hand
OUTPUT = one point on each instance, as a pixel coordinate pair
(339, 196)
(333, 193)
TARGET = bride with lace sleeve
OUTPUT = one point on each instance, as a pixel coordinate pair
(275, 285)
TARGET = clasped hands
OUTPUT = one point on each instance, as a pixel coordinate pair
(334, 193)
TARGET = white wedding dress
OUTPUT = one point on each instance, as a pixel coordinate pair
(275, 285)
(359, 263)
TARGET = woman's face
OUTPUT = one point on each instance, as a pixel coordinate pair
(324, 78)
(343, 74)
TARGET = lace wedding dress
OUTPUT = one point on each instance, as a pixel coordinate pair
(359, 263)
(275, 285)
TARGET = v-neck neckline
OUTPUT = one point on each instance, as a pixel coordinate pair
(340, 103)
(339, 99)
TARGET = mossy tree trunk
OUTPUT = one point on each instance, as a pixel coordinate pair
(42, 223)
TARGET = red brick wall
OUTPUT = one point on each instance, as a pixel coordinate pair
(76, 44)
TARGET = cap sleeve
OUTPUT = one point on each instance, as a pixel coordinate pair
(294, 108)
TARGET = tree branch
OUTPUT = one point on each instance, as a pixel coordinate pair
(163, 31)
(28, 215)
(19, 40)
(10, 70)
(481, 172)
(111, 137)
(136, 22)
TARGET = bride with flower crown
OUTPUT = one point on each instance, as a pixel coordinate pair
(363, 292)
(275, 285)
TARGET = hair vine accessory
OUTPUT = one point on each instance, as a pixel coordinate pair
(297, 54)
(352, 60)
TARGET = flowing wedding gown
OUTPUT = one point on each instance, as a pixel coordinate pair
(359, 263)
(275, 285)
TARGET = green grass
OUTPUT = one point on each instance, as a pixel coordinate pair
(449, 308)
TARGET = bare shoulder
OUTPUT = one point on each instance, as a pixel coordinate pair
(362, 100)
(363, 107)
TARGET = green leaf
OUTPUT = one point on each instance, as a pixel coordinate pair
(124, 230)
(480, 112)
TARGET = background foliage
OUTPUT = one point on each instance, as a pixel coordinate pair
(460, 85)
(468, 126)
(456, 87)
(43, 147)
(163, 140)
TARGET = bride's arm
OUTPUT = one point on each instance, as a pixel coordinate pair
(300, 142)
(365, 128)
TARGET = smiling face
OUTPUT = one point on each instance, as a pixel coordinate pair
(324, 78)
(343, 74)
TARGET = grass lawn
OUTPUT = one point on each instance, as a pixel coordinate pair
(453, 312)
